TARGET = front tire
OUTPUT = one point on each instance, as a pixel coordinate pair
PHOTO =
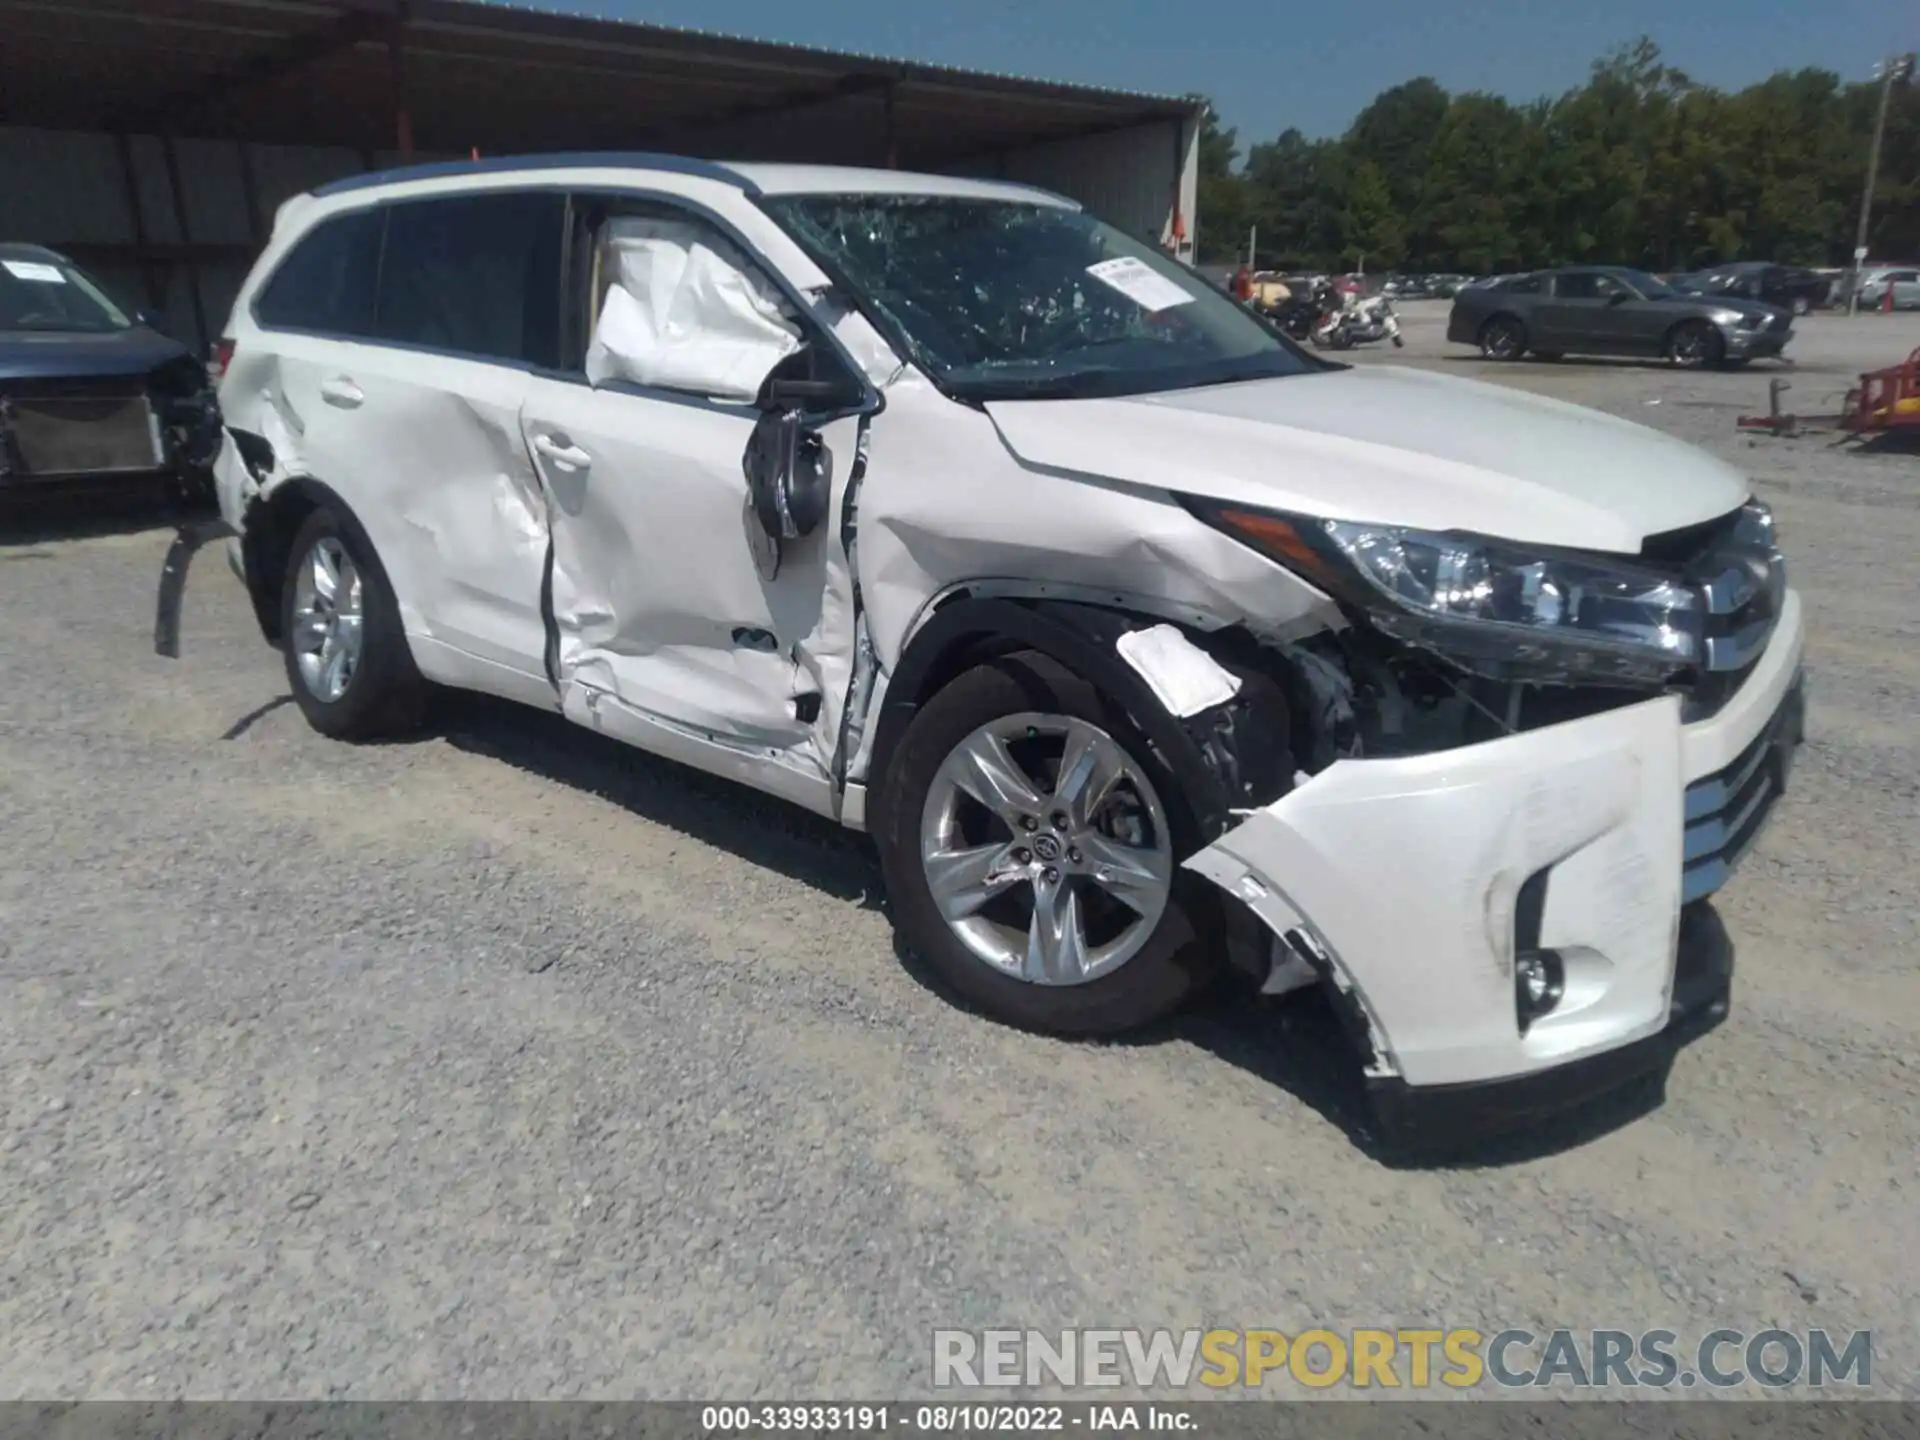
(1031, 847)
(1503, 338)
(1694, 344)
(340, 633)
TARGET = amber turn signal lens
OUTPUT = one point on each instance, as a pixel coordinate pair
(1275, 537)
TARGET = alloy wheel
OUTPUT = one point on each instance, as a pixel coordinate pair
(328, 621)
(1046, 849)
(1692, 345)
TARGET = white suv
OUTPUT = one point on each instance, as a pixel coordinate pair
(1144, 643)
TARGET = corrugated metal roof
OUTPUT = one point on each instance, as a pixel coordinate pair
(515, 78)
(866, 59)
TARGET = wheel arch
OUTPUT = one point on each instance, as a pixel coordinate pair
(1236, 755)
(1509, 316)
(273, 520)
(969, 630)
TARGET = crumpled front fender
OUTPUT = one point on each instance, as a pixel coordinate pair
(1405, 875)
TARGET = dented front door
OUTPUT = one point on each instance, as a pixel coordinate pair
(661, 595)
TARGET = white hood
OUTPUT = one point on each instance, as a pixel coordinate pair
(1391, 446)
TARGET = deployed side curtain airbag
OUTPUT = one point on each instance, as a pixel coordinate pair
(683, 313)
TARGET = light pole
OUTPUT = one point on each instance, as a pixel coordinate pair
(1894, 70)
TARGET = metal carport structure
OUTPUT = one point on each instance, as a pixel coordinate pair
(152, 139)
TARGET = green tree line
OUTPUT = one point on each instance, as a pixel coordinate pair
(1639, 166)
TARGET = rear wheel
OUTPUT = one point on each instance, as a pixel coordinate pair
(346, 652)
(1031, 847)
(1694, 343)
(1503, 338)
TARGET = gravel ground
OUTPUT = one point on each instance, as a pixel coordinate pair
(510, 1064)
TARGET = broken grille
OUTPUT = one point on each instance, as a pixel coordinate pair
(54, 435)
(1725, 811)
(1742, 587)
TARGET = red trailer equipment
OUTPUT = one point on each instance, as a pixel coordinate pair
(1883, 400)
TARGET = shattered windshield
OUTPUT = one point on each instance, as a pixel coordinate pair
(49, 294)
(1005, 299)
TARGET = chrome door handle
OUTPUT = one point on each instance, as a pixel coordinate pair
(342, 393)
(560, 452)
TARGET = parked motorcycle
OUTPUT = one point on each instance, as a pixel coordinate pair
(1374, 319)
(1334, 330)
(1313, 314)
(1297, 315)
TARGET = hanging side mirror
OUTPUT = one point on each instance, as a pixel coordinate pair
(789, 473)
(787, 466)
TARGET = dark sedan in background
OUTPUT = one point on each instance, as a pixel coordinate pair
(1607, 310)
(90, 392)
(1785, 287)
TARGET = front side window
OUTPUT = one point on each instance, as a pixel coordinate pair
(1018, 299)
(38, 292)
(1582, 286)
(327, 282)
(1637, 284)
(475, 274)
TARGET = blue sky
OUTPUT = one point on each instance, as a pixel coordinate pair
(1312, 66)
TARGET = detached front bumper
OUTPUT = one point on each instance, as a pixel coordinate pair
(1415, 884)
(1435, 1116)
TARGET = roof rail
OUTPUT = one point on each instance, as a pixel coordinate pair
(511, 164)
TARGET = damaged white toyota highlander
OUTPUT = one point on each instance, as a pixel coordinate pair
(1146, 645)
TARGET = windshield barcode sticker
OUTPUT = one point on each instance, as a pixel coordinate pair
(1140, 283)
(34, 270)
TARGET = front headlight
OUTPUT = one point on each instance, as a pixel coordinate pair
(1726, 317)
(1492, 606)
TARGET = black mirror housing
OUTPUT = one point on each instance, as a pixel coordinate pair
(789, 474)
(809, 382)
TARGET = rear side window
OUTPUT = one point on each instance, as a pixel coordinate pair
(327, 282)
(475, 274)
